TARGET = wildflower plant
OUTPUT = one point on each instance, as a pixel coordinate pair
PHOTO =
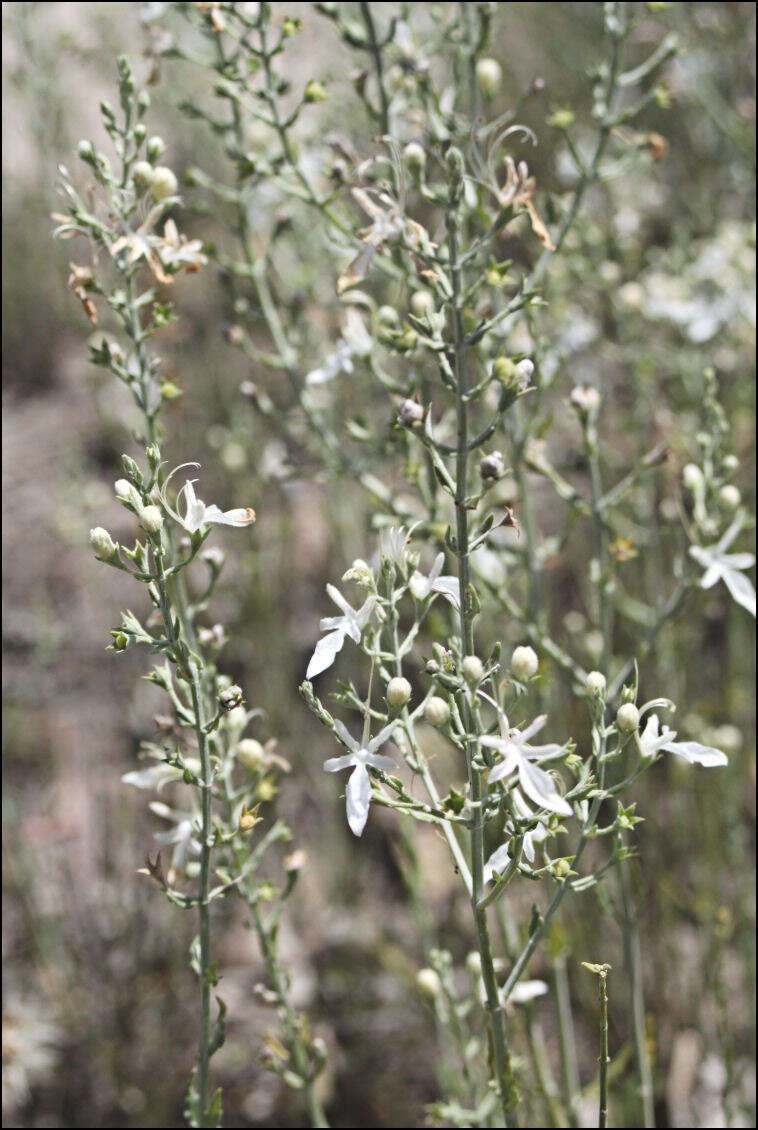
(222, 826)
(434, 389)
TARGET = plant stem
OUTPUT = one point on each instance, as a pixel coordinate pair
(633, 959)
(603, 993)
(468, 707)
(278, 982)
(376, 54)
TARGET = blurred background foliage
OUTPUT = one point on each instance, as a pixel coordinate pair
(659, 283)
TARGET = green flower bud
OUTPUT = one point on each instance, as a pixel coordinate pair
(314, 92)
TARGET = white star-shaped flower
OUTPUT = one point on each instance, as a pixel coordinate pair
(722, 566)
(652, 741)
(358, 792)
(517, 756)
(500, 858)
(449, 587)
(197, 514)
(350, 623)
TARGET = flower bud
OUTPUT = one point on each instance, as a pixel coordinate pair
(437, 712)
(524, 371)
(628, 718)
(524, 663)
(585, 399)
(428, 983)
(504, 370)
(474, 964)
(398, 692)
(387, 318)
(415, 158)
(472, 669)
(155, 148)
(410, 413)
(143, 175)
(250, 753)
(151, 519)
(489, 76)
(230, 697)
(422, 303)
(102, 543)
(86, 151)
(595, 683)
(125, 492)
(692, 477)
(729, 498)
(492, 466)
(455, 164)
(164, 183)
(560, 868)
(314, 92)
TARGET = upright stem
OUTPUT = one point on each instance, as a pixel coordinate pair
(566, 1041)
(181, 644)
(278, 982)
(203, 908)
(467, 705)
(603, 993)
(376, 55)
(633, 958)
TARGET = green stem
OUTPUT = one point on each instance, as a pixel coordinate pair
(278, 982)
(603, 993)
(468, 704)
(633, 959)
(376, 55)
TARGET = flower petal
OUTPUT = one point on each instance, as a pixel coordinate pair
(498, 861)
(358, 798)
(740, 588)
(345, 736)
(334, 764)
(698, 754)
(325, 654)
(540, 787)
(381, 737)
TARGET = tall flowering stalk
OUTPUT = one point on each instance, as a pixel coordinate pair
(222, 825)
(415, 251)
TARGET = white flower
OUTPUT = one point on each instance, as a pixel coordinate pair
(449, 587)
(197, 514)
(180, 837)
(526, 991)
(355, 341)
(517, 756)
(722, 566)
(393, 543)
(652, 741)
(156, 776)
(350, 623)
(500, 858)
(358, 792)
